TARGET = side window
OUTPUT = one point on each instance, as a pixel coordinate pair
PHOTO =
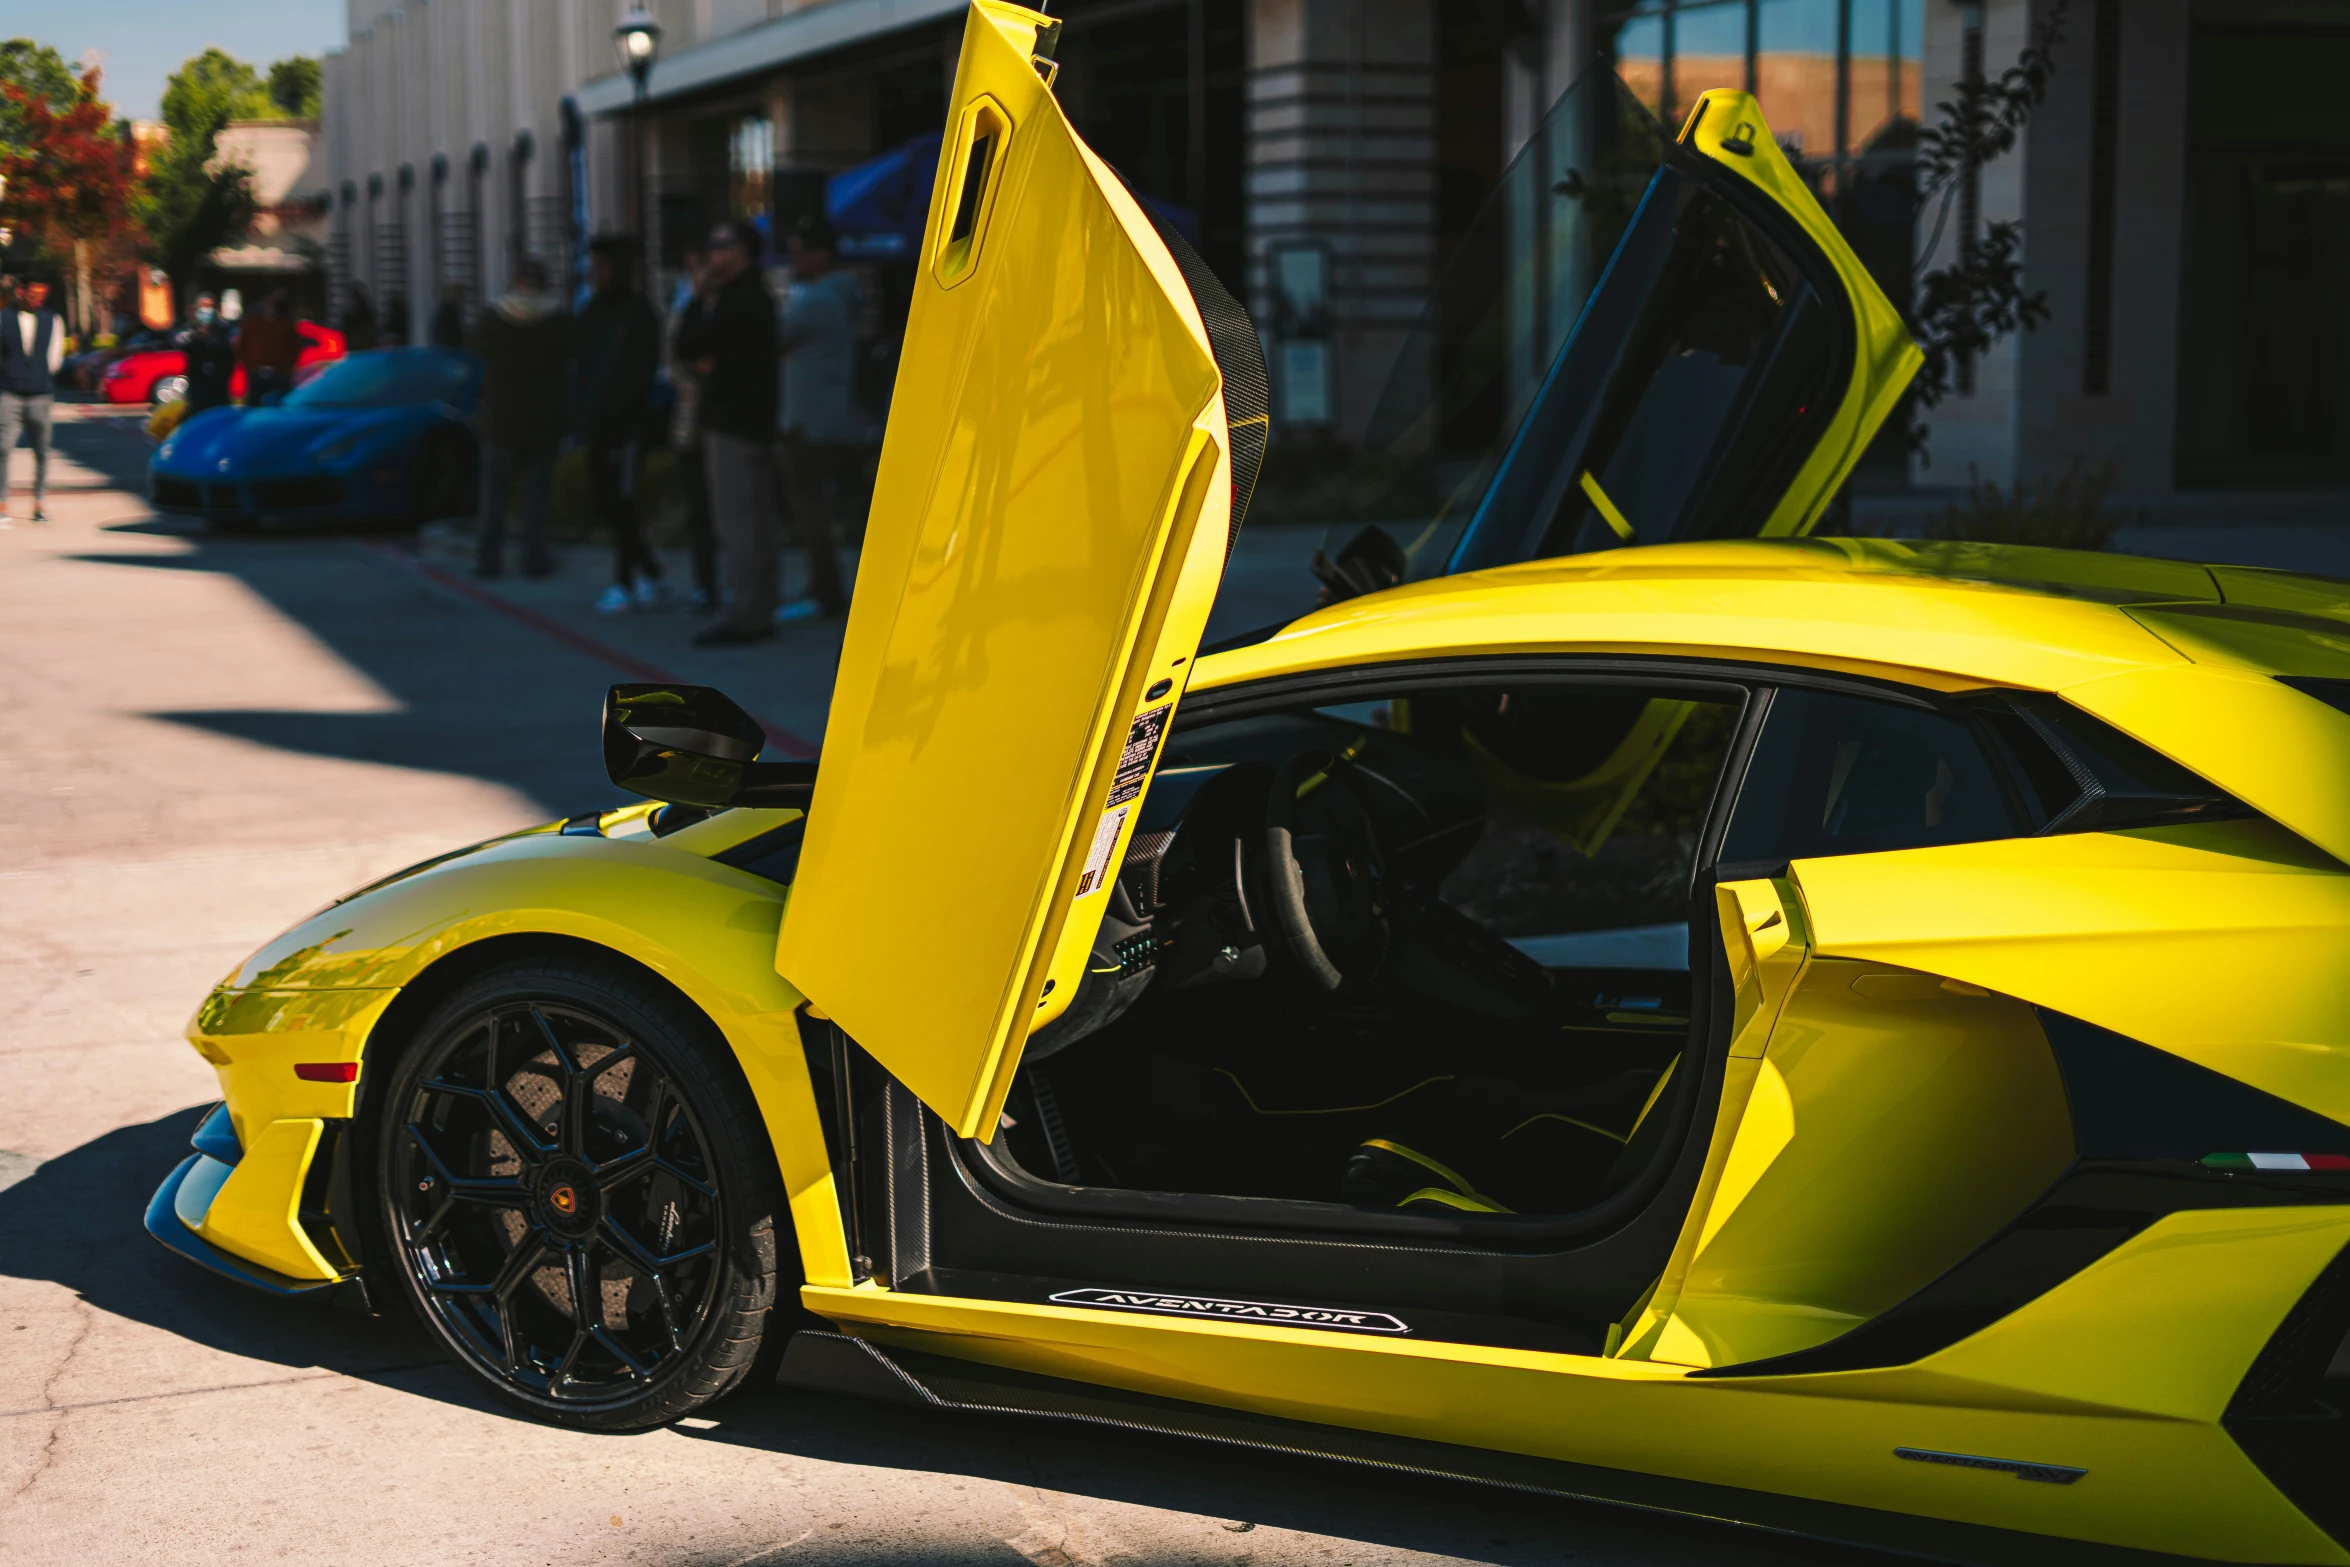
(1594, 801)
(1838, 774)
(1733, 351)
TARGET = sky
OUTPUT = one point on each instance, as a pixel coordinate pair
(144, 41)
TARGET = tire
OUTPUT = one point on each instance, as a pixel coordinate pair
(566, 1122)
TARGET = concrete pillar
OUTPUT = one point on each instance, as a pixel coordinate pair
(1340, 107)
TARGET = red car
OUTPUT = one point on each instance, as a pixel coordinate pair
(160, 375)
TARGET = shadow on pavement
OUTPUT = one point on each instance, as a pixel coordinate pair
(77, 1221)
(511, 697)
(469, 692)
(1277, 1490)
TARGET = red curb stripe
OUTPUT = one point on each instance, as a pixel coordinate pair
(578, 641)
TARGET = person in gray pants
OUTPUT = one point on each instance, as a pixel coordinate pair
(32, 346)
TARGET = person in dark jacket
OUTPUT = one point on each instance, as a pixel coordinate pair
(728, 337)
(448, 320)
(611, 391)
(525, 345)
(32, 345)
(211, 358)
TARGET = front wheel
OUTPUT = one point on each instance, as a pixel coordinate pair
(575, 1189)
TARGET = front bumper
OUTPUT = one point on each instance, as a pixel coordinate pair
(239, 1214)
(292, 498)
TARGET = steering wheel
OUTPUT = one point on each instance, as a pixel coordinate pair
(1325, 873)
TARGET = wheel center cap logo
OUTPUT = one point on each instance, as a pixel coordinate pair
(567, 1200)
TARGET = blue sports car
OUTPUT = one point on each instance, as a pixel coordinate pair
(382, 436)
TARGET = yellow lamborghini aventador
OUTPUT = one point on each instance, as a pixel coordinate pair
(1848, 1036)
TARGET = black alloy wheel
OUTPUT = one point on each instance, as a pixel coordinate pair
(575, 1186)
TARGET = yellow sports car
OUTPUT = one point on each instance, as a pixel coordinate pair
(1848, 1036)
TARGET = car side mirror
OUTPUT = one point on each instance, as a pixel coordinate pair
(693, 745)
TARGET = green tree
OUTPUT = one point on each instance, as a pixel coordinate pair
(190, 206)
(44, 77)
(293, 87)
(207, 92)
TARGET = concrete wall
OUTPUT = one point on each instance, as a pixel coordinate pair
(2029, 416)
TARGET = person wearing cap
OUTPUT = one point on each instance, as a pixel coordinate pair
(211, 358)
(824, 430)
(32, 346)
(728, 339)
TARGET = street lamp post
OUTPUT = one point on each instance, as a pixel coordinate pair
(639, 38)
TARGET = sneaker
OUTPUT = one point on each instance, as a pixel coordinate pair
(651, 593)
(40, 515)
(798, 610)
(613, 601)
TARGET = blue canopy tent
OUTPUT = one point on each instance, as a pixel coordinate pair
(877, 209)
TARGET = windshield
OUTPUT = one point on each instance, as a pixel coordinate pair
(1493, 326)
(396, 378)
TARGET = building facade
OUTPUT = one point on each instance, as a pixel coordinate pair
(286, 245)
(2181, 195)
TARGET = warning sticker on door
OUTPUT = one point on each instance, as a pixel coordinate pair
(1142, 748)
(1105, 840)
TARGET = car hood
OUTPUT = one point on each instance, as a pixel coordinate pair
(253, 440)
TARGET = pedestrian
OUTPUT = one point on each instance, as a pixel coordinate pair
(611, 391)
(269, 347)
(358, 321)
(32, 346)
(728, 338)
(685, 438)
(525, 345)
(211, 356)
(448, 319)
(825, 432)
(395, 327)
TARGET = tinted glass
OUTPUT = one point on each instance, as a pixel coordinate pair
(397, 379)
(1594, 802)
(1682, 403)
(1838, 774)
(1732, 352)
(1511, 289)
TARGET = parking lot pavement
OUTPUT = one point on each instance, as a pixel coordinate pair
(208, 738)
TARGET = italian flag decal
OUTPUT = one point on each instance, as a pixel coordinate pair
(2276, 1161)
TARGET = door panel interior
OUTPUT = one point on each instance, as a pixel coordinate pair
(1048, 527)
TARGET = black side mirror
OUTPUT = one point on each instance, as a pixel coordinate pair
(692, 745)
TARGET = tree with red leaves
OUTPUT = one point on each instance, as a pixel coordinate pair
(69, 185)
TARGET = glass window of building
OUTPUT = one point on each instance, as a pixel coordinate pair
(1841, 82)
